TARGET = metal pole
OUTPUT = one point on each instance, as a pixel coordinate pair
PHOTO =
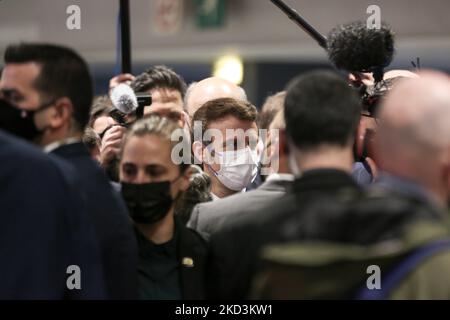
(301, 22)
(125, 39)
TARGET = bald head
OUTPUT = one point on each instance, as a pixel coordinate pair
(400, 73)
(414, 135)
(210, 89)
(417, 113)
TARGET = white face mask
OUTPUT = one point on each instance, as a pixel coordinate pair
(238, 168)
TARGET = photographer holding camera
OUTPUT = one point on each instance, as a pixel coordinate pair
(365, 169)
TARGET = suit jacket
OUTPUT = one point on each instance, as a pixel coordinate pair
(192, 247)
(111, 221)
(209, 217)
(234, 251)
(44, 228)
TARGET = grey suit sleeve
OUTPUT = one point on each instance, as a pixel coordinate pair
(193, 221)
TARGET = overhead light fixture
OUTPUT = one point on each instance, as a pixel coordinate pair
(229, 67)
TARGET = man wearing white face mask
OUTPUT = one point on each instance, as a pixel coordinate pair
(224, 142)
(211, 217)
(225, 139)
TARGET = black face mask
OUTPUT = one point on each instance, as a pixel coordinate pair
(147, 203)
(19, 122)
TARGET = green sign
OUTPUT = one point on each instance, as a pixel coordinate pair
(210, 14)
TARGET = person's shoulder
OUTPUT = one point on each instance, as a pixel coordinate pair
(193, 236)
(246, 225)
(237, 201)
(91, 175)
(100, 195)
(271, 207)
(377, 198)
(212, 216)
(277, 185)
(429, 280)
(78, 156)
(30, 160)
(50, 184)
(18, 151)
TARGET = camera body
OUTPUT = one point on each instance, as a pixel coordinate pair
(144, 100)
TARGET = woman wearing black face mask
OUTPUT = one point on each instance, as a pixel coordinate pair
(171, 256)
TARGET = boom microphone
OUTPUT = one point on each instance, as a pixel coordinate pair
(356, 48)
(352, 47)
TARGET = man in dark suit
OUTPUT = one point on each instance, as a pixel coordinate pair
(321, 114)
(52, 84)
(45, 231)
(210, 217)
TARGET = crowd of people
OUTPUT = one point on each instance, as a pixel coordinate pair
(206, 196)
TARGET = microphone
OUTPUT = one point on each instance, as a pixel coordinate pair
(124, 99)
(354, 47)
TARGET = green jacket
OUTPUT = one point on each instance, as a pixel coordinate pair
(331, 270)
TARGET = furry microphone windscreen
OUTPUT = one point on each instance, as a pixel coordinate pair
(356, 48)
(124, 99)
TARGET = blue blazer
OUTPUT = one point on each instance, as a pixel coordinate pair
(44, 228)
(113, 227)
